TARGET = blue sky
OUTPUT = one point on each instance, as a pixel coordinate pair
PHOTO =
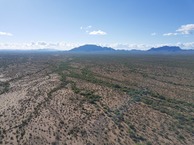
(122, 24)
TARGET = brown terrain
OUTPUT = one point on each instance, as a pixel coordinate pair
(71, 99)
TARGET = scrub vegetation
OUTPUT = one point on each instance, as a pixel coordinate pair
(63, 98)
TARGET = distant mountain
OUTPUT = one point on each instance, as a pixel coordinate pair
(89, 48)
(92, 48)
(166, 49)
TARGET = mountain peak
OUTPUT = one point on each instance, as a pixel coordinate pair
(165, 49)
(91, 48)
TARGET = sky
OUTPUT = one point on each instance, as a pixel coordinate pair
(121, 24)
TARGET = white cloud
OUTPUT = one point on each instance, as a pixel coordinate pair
(5, 34)
(186, 29)
(153, 34)
(86, 28)
(170, 34)
(99, 32)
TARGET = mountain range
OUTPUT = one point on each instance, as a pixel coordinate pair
(90, 48)
(98, 49)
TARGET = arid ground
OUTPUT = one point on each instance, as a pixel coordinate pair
(71, 99)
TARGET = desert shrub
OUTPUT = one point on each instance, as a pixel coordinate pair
(117, 86)
(180, 137)
(137, 98)
(4, 86)
(75, 89)
(148, 102)
(125, 89)
(161, 97)
(93, 98)
(136, 138)
(89, 96)
(148, 143)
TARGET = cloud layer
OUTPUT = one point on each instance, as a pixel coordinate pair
(126, 46)
(68, 46)
(39, 45)
(5, 34)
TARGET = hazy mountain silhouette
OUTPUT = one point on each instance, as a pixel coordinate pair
(92, 48)
(159, 50)
(166, 49)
